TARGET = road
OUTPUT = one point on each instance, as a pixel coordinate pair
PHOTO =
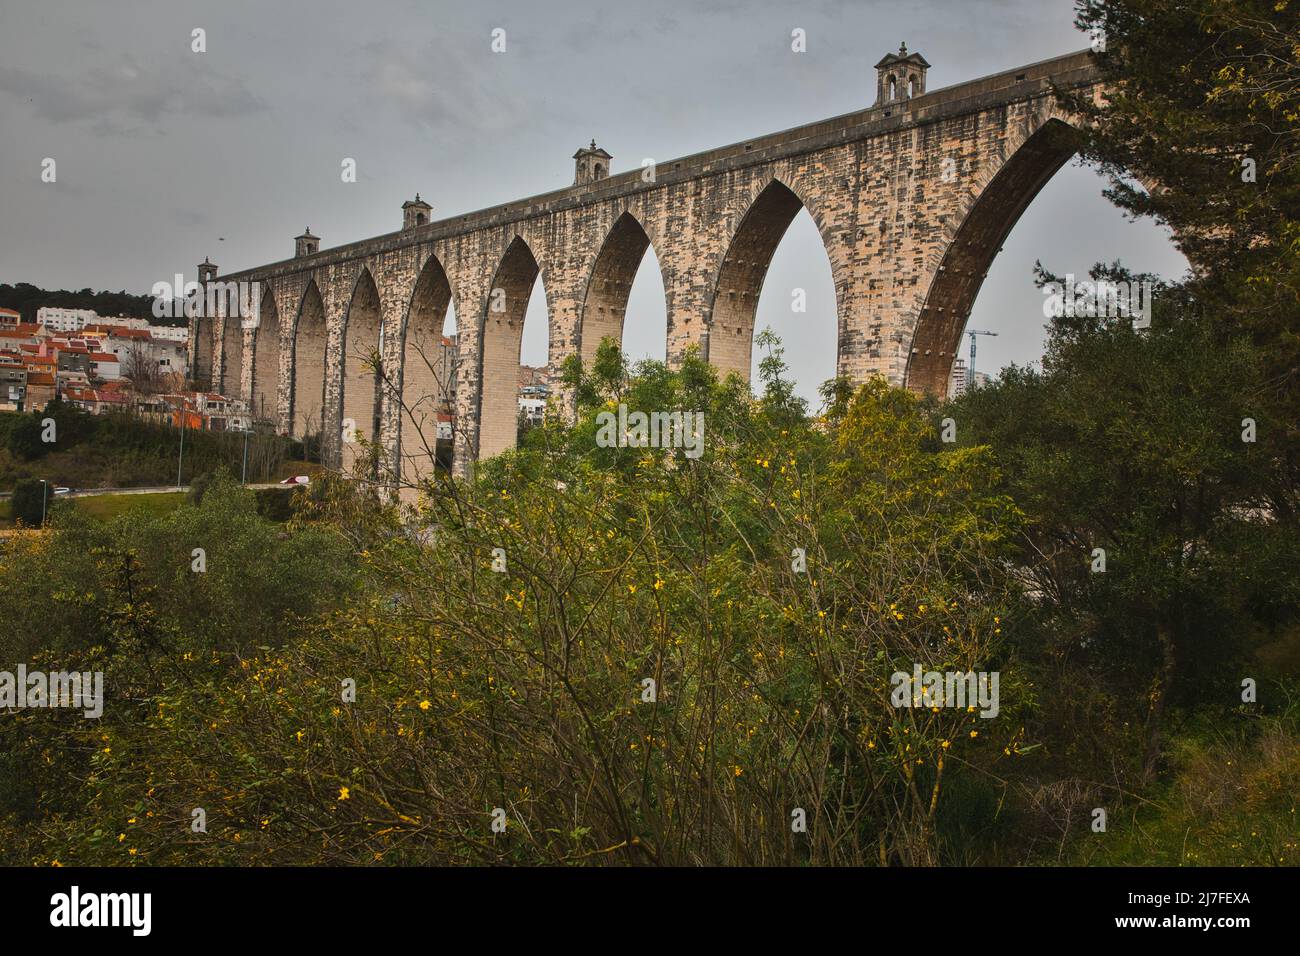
(156, 490)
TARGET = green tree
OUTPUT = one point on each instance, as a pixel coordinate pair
(1205, 109)
(1158, 539)
(29, 502)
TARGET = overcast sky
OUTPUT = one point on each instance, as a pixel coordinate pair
(165, 156)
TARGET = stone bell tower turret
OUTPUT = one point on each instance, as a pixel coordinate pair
(900, 76)
(306, 244)
(592, 164)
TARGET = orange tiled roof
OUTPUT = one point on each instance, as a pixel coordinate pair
(118, 331)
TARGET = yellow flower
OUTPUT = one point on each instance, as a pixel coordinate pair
(631, 589)
(132, 851)
(344, 793)
(974, 734)
(737, 771)
(425, 705)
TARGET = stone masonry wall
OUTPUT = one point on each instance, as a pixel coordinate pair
(889, 189)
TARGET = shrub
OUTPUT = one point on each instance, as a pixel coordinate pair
(29, 502)
(198, 486)
(274, 504)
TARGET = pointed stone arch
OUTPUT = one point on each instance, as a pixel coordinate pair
(361, 371)
(266, 360)
(739, 280)
(232, 353)
(426, 381)
(502, 325)
(310, 347)
(604, 308)
(972, 240)
(204, 333)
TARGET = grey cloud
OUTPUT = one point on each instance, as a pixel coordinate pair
(119, 97)
(442, 87)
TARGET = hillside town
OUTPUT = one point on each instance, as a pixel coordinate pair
(122, 363)
(106, 363)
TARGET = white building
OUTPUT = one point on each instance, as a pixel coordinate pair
(126, 321)
(169, 333)
(105, 366)
(223, 414)
(121, 342)
(166, 333)
(65, 320)
(534, 409)
(960, 379)
(957, 378)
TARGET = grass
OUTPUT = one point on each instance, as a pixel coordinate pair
(1228, 802)
(108, 507)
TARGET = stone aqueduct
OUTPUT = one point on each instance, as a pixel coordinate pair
(912, 197)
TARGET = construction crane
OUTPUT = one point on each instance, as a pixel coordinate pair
(970, 372)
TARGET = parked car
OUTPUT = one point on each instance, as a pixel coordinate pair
(297, 480)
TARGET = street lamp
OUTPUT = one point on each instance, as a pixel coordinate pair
(180, 461)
